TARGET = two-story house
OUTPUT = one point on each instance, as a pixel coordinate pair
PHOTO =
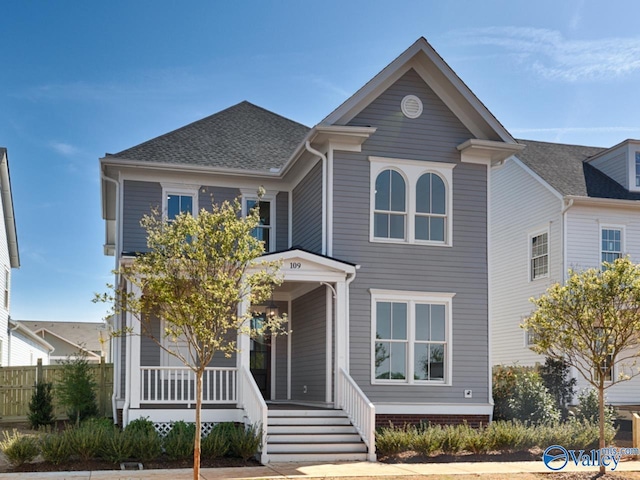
(380, 214)
(557, 207)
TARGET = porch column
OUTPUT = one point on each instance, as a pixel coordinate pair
(134, 354)
(341, 335)
(329, 340)
(243, 348)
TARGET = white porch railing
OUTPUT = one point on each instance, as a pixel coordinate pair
(178, 385)
(255, 408)
(359, 409)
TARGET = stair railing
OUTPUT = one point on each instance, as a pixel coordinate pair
(255, 409)
(359, 409)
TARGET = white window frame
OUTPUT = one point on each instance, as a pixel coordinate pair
(166, 359)
(530, 238)
(412, 298)
(610, 226)
(179, 189)
(7, 288)
(411, 171)
(635, 160)
(267, 197)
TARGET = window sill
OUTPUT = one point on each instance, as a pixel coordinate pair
(422, 243)
(415, 383)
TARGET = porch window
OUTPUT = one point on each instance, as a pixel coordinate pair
(412, 337)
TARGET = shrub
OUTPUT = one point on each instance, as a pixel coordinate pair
(143, 425)
(86, 440)
(41, 406)
(18, 448)
(504, 384)
(246, 442)
(178, 444)
(428, 440)
(531, 402)
(76, 390)
(56, 447)
(117, 446)
(556, 376)
(391, 440)
(588, 408)
(452, 440)
(506, 435)
(217, 443)
(474, 439)
(147, 443)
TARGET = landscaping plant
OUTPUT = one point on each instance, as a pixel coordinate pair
(56, 447)
(18, 448)
(76, 389)
(41, 406)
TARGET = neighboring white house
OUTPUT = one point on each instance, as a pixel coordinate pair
(555, 207)
(25, 347)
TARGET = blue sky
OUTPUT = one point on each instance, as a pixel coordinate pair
(81, 78)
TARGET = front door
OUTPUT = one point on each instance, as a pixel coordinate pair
(260, 357)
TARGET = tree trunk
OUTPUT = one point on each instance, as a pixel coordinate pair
(601, 421)
(196, 444)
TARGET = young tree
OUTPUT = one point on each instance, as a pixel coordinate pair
(76, 389)
(592, 323)
(196, 273)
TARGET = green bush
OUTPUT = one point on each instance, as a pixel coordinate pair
(392, 440)
(41, 406)
(86, 440)
(531, 401)
(117, 446)
(246, 442)
(178, 444)
(76, 389)
(474, 439)
(588, 408)
(504, 383)
(143, 425)
(218, 443)
(556, 376)
(56, 447)
(427, 440)
(18, 448)
(452, 441)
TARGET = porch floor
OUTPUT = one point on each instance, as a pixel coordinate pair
(295, 406)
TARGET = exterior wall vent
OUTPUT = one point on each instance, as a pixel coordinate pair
(411, 106)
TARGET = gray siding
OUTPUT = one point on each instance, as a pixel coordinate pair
(149, 350)
(280, 368)
(307, 211)
(461, 269)
(308, 346)
(218, 194)
(138, 200)
(282, 221)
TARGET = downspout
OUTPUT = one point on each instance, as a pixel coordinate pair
(116, 343)
(565, 207)
(323, 157)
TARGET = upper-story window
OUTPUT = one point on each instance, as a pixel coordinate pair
(411, 201)
(611, 248)
(266, 205)
(390, 205)
(637, 169)
(7, 287)
(431, 208)
(539, 255)
(179, 199)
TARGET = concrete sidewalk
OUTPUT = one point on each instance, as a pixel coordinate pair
(315, 470)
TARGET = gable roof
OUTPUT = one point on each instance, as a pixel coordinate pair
(564, 167)
(7, 209)
(244, 137)
(85, 335)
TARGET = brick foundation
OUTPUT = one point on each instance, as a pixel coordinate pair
(399, 420)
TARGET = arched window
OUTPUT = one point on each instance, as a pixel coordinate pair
(390, 206)
(431, 208)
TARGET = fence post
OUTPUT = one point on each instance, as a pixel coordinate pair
(39, 372)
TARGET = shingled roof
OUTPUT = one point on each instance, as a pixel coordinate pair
(243, 136)
(564, 168)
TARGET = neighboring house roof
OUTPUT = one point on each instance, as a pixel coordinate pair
(244, 136)
(84, 335)
(7, 209)
(18, 327)
(565, 169)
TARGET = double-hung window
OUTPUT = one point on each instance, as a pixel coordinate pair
(411, 201)
(539, 255)
(179, 199)
(611, 244)
(637, 169)
(411, 341)
(266, 205)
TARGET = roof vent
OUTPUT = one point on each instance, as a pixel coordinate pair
(411, 106)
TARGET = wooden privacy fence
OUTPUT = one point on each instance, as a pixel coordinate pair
(18, 383)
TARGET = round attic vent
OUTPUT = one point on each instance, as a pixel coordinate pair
(411, 106)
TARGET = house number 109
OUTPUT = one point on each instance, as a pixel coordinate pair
(295, 265)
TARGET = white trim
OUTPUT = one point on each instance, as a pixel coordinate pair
(411, 298)
(489, 286)
(391, 408)
(411, 171)
(611, 226)
(188, 415)
(6, 303)
(329, 204)
(289, 333)
(267, 197)
(532, 234)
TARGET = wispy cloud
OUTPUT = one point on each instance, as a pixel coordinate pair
(549, 54)
(324, 84)
(576, 130)
(64, 148)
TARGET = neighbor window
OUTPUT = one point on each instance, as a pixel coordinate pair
(411, 201)
(540, 256)
(611, 244)
(606, 367)
(390, 206)
(7, 286)
(411, 337)
(637, 169)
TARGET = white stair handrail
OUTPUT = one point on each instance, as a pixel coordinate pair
(255, 408)
(359, 409)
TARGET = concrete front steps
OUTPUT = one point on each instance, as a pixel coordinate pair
(313, 435)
